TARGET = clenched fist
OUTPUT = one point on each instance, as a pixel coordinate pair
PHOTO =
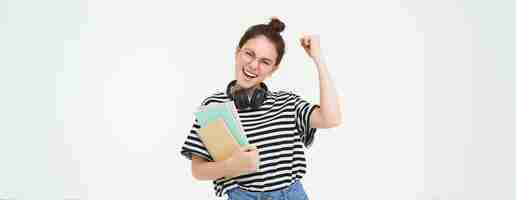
(242, 161)
(312, 46)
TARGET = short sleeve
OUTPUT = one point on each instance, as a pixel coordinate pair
(193, 145)
(304, 110)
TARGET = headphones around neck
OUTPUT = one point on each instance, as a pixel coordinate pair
(241, 96)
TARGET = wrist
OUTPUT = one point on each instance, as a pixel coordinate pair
(319, 63)
(319, 60)
(228, 167)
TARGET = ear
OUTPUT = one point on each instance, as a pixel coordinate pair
(275, 67)
(273, 71)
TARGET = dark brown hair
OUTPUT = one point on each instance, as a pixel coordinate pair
(271, 31)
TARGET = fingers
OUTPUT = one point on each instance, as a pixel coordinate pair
(305, 41)
(249, 148)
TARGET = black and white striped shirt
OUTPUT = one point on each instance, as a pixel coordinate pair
(281, 131)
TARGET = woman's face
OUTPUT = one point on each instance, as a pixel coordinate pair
(255, 62)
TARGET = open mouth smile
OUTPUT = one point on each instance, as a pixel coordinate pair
(248, 74)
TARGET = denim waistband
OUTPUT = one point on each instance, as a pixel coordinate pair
(294, 189)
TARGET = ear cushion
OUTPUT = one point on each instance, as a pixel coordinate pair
(241, 99)
(258, 98)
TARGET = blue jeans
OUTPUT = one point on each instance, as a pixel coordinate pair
(293, 192)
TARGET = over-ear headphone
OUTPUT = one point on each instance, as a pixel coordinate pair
(241, 96)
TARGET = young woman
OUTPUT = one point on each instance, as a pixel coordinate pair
(279, 125)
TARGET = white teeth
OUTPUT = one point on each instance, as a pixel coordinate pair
(250, 74)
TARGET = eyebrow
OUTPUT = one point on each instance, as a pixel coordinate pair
(268, 59)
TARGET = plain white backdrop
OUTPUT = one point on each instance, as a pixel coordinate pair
(97, 96)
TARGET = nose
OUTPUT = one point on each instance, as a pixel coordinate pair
(254, 64)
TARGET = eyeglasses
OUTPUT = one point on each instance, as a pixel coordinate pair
(249, 56)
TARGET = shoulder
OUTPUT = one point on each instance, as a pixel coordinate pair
(216, 97)
(284, 95)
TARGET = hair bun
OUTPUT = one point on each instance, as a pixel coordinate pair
(276, 25)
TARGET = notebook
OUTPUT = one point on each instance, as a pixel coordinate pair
(228, 112)
(218, 139)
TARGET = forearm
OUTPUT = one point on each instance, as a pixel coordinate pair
(329, 100)
(206, 170)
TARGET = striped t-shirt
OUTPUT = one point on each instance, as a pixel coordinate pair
(279, 128)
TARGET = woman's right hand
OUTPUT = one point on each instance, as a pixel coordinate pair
(242, 161)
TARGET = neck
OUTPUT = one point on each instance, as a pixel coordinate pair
(250, 89)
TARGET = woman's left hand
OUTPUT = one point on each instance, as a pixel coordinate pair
(312, 46)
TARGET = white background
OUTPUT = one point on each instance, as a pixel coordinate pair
(97, 96)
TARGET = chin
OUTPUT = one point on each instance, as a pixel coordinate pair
(247, 83)
(244, 83)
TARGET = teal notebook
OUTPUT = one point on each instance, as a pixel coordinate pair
(227, 110)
